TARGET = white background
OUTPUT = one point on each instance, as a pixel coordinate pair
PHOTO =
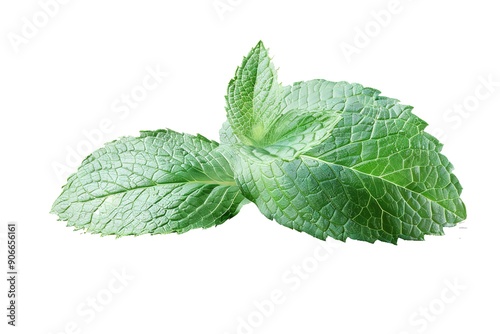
(66, 77)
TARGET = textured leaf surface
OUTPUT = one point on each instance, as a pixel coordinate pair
(320, 94)
(160, 182)
(377, 177)
(298, 131)
(226, 134)
(292, 133)
(253, 97)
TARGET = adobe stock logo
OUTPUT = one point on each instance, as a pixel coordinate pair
(291, 281)
(88, 311)
(436, 308)
(31, 27)
(462, 110)
(222, 7)
(121, 108)
(364, 35)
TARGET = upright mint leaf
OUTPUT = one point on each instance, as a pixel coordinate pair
(253, 97)
(160, 182)
(378, 177)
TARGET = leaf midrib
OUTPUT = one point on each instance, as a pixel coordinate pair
(201, 182)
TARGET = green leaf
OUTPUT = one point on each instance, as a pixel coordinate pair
(379, 176)
(253, 97)
(160, 182)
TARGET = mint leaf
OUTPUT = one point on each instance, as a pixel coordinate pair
(253, 97)
(160, 182)
(332, 159)
(378, 176)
